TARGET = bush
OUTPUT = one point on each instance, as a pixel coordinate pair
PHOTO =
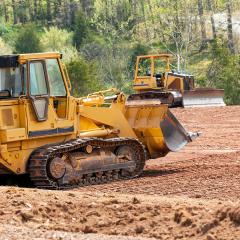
(28, 40)
(59, 40)
(83, 77)
(55, 39)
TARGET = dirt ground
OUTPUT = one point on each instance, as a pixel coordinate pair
(192, 194)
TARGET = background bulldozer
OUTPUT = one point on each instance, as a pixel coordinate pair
(154, 79)
(61, 141)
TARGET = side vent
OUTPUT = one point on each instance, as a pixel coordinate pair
(7, 117)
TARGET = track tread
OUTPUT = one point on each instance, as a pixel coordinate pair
(39, 158)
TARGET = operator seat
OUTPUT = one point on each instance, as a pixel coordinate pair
(159, 80)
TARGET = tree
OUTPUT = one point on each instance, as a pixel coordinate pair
(210, 9)
(80, 30)
(28, 40)
(83, 77)
(35, 11)
(4, 11)
(230, 27)
(49, 12)
(176, 33)
(88, 7)
(14, 12)
(224, 71)
(202, 24)
(138, 50)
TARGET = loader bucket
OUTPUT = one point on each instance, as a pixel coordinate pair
(175, 136)
(203, 97)
(156, 127)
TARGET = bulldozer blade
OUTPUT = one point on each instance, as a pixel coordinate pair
(203, 97)
(175, 136)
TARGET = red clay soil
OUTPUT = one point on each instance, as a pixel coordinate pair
(192, 194)
(207, 168)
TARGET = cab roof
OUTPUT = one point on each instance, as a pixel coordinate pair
(162, 55)
(14, 60)
(22, 58)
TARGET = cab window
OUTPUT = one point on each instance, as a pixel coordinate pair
(144, 67)
(56, 83)
(10, 81)
(159, 66)
(38, 85)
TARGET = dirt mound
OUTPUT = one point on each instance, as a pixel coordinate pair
(114, 214)
(192, 194)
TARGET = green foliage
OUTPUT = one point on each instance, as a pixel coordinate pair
(115, 20)
(113, 67)
(54, 39)
(138, 50)
(28, 40)
(83, 77)
(3, 27)
(80, 30)
(59, 40)
(224, 72)
(4, 48)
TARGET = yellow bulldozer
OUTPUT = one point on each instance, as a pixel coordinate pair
(154, 79)
(62, 142)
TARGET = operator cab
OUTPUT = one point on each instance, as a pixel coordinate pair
(153, 67)
(38, 77)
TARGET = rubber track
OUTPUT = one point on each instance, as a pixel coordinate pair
(37, 167)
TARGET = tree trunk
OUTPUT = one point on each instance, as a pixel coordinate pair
(59, 13)
(49, 13)
(210, 8)
(133, 4)
(15, 21)
(22, 6)
(230, 27)
(30, 10)
(5, 11)
(66, 13)
(87, 6)
(35, 9)
(203, 25)
(144, 19)
(177, 22)
(152, 18)
(72, 13)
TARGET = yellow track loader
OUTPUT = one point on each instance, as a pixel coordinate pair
(154, 79)
(62, 142)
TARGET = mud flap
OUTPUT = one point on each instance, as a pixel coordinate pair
(203, 97)
(175, 136)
